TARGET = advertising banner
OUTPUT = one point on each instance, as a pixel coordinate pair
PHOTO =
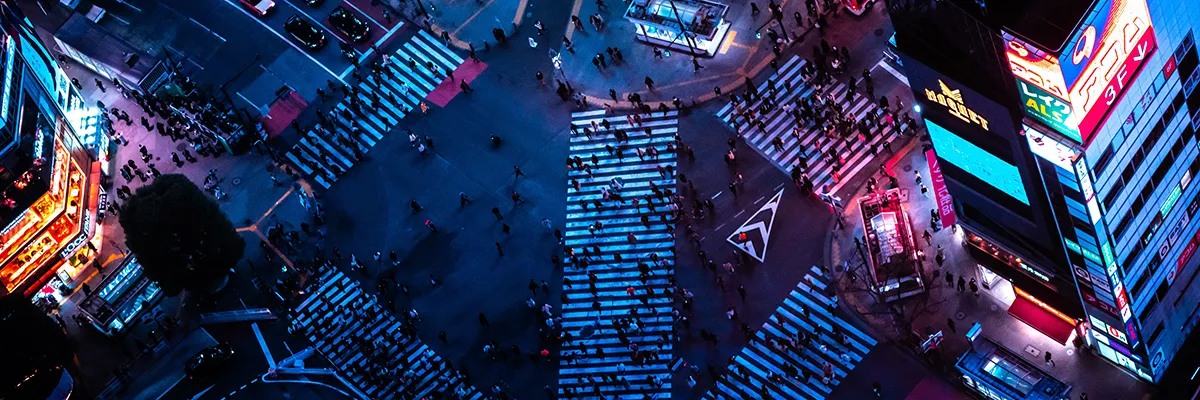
(942, 95)
(945, 202)
(1048, 109)
(1103, 56)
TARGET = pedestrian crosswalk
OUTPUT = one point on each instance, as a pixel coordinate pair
(619, 307)
(330, 149)
(853, 153)
(779, 363)
(370, 347)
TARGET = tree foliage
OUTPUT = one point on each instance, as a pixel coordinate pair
(34, 349)
(180, 235)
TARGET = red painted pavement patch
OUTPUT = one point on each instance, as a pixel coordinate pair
(445, 91)
(283, 111)
(934, 388)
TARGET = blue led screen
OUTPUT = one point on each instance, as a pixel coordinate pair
(977, 162)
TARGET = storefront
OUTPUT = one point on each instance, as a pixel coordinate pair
(891, 251)
(994, 372)
(121, 298)
(1022, 303)
(658, 23)
(49, 183)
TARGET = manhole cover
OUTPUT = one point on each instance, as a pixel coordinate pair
(237, 181)
(908, 168)
(1070, 352)
(1032, 351)
(960, 315)
(995, 308)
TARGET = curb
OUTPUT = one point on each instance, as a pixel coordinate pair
(465, 46)
(729, 87)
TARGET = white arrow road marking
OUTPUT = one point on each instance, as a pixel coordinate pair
(758, 252)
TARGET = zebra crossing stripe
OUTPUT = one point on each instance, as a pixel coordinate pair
(336, 290)
(777, 121)
(434, 48)
(760, 357)
(613, 279)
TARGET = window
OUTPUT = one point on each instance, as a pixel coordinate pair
(1136, 290)
(1012, 373)
(1103, 160)
(1154, 336)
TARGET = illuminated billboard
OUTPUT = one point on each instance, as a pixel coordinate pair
(977, 162)
(942, 95)
(1103, 56)
(1080, 87)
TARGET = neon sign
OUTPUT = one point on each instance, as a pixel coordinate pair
(1048, 109)
(945, 202)
(10, 52)
(953, 101)
(1106, 54)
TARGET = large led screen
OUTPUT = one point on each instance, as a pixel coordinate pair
(1104, 55)
(977, 162)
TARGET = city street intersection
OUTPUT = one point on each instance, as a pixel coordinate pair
(469, 225)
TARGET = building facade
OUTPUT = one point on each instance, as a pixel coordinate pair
(50, 141)
(1066, 132)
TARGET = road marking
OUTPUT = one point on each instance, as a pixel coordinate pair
(286, 40)
(728, 41)
(520, 12)
(202, 392)
(472, 17)
(262, 343)
(716, 195)
(762, 225)
(571, 24)
(164, 393)
(210, 31)
(883, 63)
(741, 46)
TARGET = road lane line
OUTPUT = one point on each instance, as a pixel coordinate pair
(173, 385)
(883, 63)
(571, 24)
(263, 343)
(202, 392)
(285, 40)
(728, 41)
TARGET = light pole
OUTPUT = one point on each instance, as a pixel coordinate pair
(682, 28)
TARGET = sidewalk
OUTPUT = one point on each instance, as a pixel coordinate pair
(1085, 371)
(741, 55)
(251, 196)
(472, 21)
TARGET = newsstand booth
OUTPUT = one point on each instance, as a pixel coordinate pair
(658, 23)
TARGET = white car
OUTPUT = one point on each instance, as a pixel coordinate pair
(259, 7)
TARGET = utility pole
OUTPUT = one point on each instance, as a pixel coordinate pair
(683, 28)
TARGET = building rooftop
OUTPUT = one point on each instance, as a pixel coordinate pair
(1047, 24)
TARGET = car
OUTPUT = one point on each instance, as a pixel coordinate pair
(208, 361)
(314, 3)
(304, 32)
(259, 7)
(349, 24)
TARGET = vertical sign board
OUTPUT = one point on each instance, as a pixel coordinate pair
(944, 201)
(1103, 56)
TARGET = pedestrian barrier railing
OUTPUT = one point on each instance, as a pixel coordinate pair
(224, 317)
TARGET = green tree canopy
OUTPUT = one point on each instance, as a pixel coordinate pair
(180, 235)
(34, 350)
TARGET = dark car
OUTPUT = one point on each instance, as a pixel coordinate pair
(304, 32)
(349, 24)
(209, 360)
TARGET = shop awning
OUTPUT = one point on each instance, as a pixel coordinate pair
(1042, 319)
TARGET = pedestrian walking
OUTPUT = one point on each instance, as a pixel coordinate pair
(974, 286)
(546, 223)
(496, 212)
(517, 172)
(649, 84)
(483, 320)
(962, 284)
(463, 199)
(442, 336)
(950, 324)
(1049, 359)
(499, 250)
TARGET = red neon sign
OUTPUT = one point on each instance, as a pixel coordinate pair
(945, 202)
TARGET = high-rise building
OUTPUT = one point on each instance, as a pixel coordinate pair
(1066, 134)
(50, 142)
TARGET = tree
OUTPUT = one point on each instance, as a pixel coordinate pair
(180, 235)
(34, 352)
